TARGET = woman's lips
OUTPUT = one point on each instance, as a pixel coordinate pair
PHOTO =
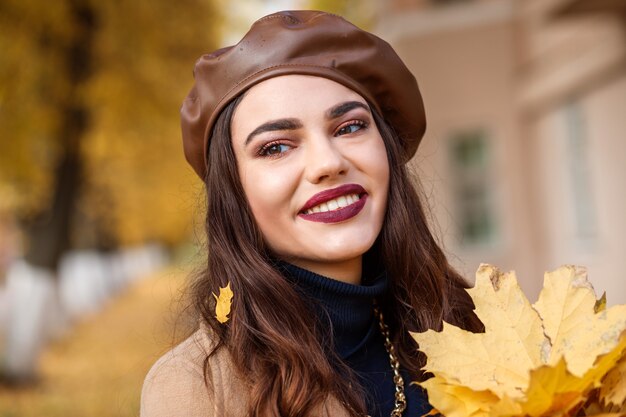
(338, 214)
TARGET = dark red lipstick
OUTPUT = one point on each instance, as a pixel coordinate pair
(339, 214)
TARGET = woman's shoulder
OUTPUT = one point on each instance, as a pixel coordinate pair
(177, 384)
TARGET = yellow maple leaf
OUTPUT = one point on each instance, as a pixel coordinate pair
(455, 400)
(613, 390)
(222, 303)
(567, 305)
(553, 388)
(502, 356)
(543, 360)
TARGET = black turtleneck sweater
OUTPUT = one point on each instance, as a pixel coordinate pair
(348, 310)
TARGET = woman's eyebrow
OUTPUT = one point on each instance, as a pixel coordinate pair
(343, 108)
(282, 124)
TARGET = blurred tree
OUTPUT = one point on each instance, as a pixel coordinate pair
(89, 134)
(98, 86)
(360, 12)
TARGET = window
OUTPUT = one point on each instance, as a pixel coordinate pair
(471, 194)
(579, 173)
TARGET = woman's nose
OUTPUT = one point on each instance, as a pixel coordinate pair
(324, 160)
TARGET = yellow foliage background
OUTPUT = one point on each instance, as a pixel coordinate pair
(136, 182)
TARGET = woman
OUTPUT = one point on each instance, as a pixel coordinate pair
(301, 132)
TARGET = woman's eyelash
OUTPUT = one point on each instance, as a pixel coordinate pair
(265, 150)
(360, 123)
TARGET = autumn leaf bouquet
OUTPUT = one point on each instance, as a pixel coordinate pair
(564, 355)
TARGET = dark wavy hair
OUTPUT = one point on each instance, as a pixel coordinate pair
(272, 335)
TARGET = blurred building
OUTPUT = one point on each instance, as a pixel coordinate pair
(524, 159)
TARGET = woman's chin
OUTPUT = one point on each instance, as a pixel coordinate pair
(337, 252)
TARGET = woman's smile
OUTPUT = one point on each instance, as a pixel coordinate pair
(335, 205)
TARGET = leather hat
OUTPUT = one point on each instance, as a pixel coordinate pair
(309, 43)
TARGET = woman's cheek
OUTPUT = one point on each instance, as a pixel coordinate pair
(269, 194)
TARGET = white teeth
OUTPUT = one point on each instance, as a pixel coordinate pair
(334, 204)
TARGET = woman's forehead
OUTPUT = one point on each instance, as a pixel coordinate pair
(290, 96)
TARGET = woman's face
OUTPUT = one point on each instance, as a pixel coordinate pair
(314, 169)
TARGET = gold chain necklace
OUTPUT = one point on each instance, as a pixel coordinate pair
(400, 403)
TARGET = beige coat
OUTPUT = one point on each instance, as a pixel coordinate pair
(175, 385)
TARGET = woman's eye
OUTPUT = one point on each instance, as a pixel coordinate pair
(273, 149)
(351, 127)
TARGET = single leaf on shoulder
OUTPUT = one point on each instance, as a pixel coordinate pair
(222, 303)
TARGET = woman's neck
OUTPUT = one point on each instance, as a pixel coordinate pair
(346, 271)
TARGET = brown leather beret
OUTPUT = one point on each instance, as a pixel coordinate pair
(310, 43)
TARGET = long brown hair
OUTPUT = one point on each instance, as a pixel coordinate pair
(272, 335)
